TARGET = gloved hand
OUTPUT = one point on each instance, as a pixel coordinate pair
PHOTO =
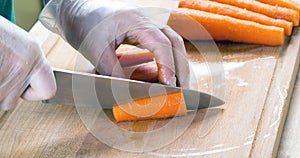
(24, 70)
(97, 27)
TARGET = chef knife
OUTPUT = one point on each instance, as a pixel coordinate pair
(92, 90)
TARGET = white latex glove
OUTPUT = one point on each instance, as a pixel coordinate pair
(97, 27)
(24, 70)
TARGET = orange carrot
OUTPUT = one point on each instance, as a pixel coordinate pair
(146, 72)
(162, 106)
(236, 12)
(187, 23)
(129, 55)
(269, 10)
(283, 3)
(138, 64)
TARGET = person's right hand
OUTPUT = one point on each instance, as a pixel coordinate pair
(24, 70)
(96, 28)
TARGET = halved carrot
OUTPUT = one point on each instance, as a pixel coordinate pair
(269, 10)
(187, 22)
(162, 106)
(283, 3)
(236, 12)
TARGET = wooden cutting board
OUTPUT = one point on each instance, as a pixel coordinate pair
(258, 85)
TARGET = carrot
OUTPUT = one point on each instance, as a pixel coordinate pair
(187, 23)
(236, 12)
(146, 72)
(138, 64)
(129, 55)
(162, 106)
(283, 3)
(269, 10)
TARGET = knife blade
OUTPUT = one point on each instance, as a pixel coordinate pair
(92, 90)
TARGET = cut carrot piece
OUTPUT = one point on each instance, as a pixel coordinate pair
(184, 22)
(283, 3)
(269, 10)
(236, 12)
(162, 106)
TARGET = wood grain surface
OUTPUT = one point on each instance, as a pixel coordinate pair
(258, 85)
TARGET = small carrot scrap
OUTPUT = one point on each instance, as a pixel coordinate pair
(283, 3)
(162, 106)
(184, 22)
(236, 12)
(269, 10)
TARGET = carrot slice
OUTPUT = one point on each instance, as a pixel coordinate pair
(222, 27)
(162, 106)
(269, 10)
(283, 3)
(236, 12)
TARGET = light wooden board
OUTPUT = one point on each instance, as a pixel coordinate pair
(258, 86)
(273, 116)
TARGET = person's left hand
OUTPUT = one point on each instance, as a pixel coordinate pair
(24, 70)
